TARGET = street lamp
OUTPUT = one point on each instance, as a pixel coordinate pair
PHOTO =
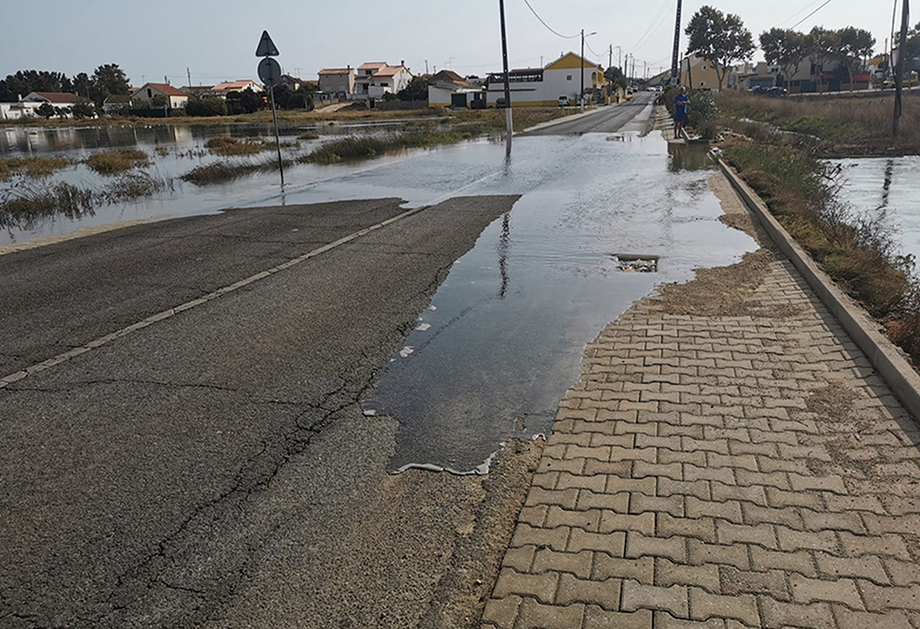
(582, 94)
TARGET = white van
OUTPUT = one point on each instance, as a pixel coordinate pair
(563, 101)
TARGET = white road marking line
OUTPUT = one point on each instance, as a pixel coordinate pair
(166, 314)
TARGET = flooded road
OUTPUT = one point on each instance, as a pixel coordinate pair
(886, 187)
(504, 336)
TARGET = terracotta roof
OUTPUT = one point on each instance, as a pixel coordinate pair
(449, 75)
(59, 97)
(373, 65)
(167, 89)
(388, 71)
(117, 99)
(230, 86)
(336, 71)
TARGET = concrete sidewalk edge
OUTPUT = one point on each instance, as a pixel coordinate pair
(882, 353)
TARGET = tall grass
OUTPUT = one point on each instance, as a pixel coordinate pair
(34, 167)
(364, 147)
(114, 162)
(33, 203)
(222, 172)
(846, 125)
(227, 146)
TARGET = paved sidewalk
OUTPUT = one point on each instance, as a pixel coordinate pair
(728, 459)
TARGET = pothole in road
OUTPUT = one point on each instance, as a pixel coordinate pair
(636, 263)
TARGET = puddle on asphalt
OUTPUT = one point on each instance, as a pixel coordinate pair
(504, 335)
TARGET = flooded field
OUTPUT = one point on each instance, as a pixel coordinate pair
(171, 152)
(886, 187)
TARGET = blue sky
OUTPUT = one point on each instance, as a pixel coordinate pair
(217, 39)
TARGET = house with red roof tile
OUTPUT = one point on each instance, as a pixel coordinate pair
(375, 79)
(144, 96)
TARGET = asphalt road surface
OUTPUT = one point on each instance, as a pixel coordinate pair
(215, 469)
(604, 120)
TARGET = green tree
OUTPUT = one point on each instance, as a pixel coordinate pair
(25, 82)
(616, 78)
(159, 101)
(83, 85)
(45, 110)
(854, 45)
(206, 106)
(784, 48)
(245, 102)
(822, 46)
(417, 89)
(720, 39)
(84, 109)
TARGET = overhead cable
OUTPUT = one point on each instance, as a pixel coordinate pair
(548, 27)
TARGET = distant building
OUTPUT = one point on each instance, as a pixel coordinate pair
(542, 87)
(375, 79)
(337, 82)
(144, 96)
(116, 102)
(63, 101)
(227, 87)
(697, 73)
(198, 90)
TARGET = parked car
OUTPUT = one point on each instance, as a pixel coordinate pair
(563, 101)
(757, 89)
(777, 92)
(501, 103)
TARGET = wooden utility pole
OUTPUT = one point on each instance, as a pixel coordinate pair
(675, 74)
(899, 73)
(508, 121)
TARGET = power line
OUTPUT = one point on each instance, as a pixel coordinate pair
(827, 2)
(799, 12)
(655, 20)
(548, 27)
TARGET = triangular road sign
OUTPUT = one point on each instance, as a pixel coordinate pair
(266, 47)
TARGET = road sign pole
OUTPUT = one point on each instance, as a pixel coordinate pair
(509, 124)
(271, 92)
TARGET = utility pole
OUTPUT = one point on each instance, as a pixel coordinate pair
(610, 57)
(675, 75)
(899, 75)
(426, 66)
(508, 122)
(189, 73)
(581, 94)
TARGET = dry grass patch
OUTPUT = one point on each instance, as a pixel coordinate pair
(114, 162)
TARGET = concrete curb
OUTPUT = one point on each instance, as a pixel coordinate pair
(884, 356)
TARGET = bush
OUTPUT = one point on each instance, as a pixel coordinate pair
(112, 162)
(206, 106)
(225, 145)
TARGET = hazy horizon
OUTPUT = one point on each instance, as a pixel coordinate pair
(217, 41)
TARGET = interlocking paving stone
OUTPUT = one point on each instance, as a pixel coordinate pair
(727, 471)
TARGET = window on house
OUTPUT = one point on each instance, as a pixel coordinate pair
(704, 67)
(702, 83)
(568, 77)
(149, 93)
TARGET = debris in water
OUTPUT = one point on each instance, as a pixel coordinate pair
(629, 263)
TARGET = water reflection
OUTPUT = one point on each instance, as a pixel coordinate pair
(492, 357)
(885, 189)
(689, 157)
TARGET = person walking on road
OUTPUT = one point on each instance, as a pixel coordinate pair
(681, 107)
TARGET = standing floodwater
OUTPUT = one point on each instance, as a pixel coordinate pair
(886, 187)
(503, 338)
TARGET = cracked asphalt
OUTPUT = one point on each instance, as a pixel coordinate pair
(215, 469)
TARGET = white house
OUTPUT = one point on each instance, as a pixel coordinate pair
(375, 79)
(542, 87)
(143, 97)
(389, 80)
(63, 101)
(222, 89)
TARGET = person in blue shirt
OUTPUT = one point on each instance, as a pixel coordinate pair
(681, 107)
